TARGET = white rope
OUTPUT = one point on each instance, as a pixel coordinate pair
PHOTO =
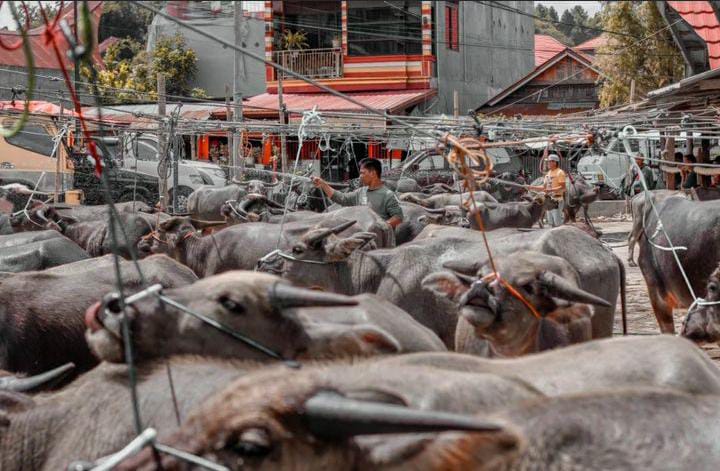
(309, 118)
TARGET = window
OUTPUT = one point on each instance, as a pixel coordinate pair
(384, 28)
(147, 150)
(451, 28)
(34, 138)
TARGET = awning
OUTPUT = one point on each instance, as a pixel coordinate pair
(266, 104)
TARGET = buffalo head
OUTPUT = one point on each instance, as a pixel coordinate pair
(277, 419)
(702, 323)
(261, 307)
(313, 258)
(498, 307)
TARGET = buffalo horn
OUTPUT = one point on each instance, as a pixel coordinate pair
(285, 296)
(559, 287)
(243, 206)
(40, 213)
(331, 416)
(12, 383)
(435, 210)
(327, 232)
(201, 224)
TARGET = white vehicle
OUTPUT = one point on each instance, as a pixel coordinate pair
(140, 154)
(609, 166)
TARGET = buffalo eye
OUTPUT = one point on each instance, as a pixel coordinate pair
(252, 442)
(712, 287)
(231, 305)
(298, 249)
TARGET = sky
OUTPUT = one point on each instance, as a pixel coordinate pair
(590, 6)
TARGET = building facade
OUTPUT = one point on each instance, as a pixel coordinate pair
(215, 64)
(438, 48)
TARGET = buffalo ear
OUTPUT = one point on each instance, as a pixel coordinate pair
(340, 249)
(172, 223)
(447, 284)
(463, 266)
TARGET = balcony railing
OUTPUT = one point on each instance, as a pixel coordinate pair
(313, 63)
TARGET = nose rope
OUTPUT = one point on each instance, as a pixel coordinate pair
(458, 159)
(496, 276)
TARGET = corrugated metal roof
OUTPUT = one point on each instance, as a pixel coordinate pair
(267, 103)
(43, 54)
(546, 47)
(592, 44)
(701, 16)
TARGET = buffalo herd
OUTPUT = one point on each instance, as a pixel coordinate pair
(270, 329)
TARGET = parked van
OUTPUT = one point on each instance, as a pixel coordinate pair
(140, 153)
(28, 158)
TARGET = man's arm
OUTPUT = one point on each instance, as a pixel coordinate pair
(392, 206)
(343, 199)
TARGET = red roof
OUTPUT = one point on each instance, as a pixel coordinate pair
(701, 16)
(546, 47)
(42, 107)
(592, 44)
(392, 102)
(43, 54)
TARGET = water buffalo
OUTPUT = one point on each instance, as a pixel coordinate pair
(22, 238)
(40, 254)
(637, 210)
(325, 418)
(294, 322)
(513, 214)
(238, 247)
(702, 323)
(30, 221)
(205, 202)
(492, 311)
(366, 219)
(448, 199)
(661, 361)
(580, 194)
(397, 274)
(93, 235)
(46, 330)
(50, 431)
(416, 217)
(403, 185)
(693, 227)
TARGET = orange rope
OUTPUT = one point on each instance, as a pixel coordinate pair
(457, 159)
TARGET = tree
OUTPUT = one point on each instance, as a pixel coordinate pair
(125, 20)
(134, 71)
(653, 61)
(33, 12)
(546, 25)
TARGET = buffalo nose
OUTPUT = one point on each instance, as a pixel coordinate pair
(91, 317)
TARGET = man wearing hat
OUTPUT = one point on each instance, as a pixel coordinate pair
(554, 186)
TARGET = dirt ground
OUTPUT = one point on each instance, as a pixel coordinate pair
(641, 320)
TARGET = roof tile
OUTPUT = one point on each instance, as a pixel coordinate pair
(701, 16)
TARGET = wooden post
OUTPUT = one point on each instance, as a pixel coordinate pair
(704, 158)
(58, 152)
(238, 160)
(193, 147)
(632, 91)
(670, 155)
(229, 113)
(162, 144)
(456, 104)
(281, 116)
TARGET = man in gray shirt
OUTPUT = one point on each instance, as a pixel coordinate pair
(373, 193)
